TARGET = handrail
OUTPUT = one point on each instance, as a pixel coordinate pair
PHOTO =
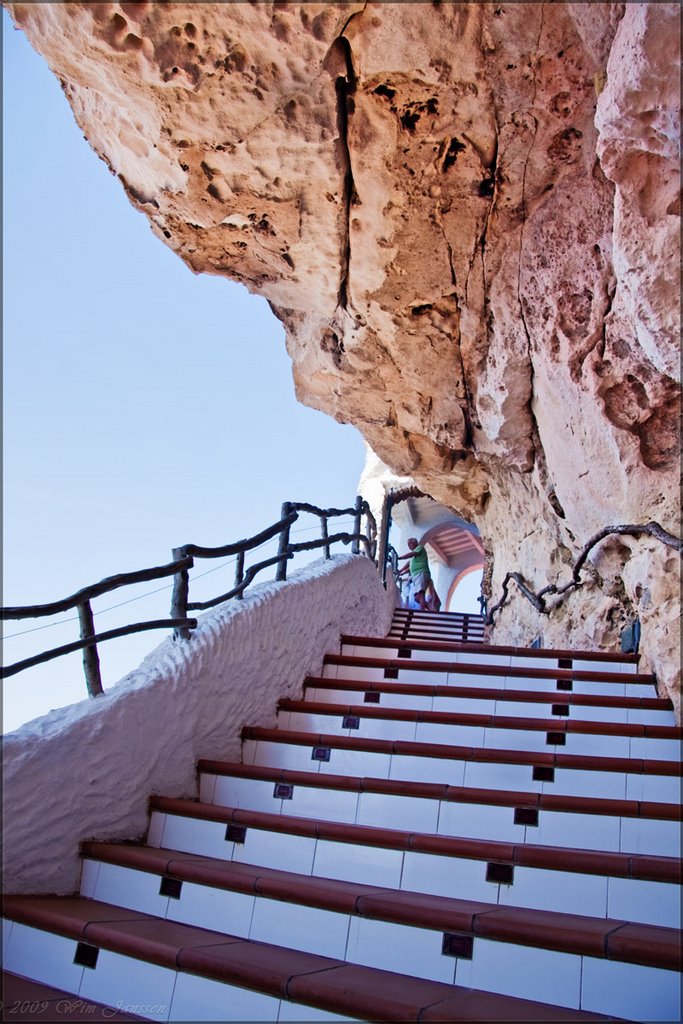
(391, 559)
(110, 634)
(183, 561)
(239, 589)
(537, 599)
(181, 604)
(240, 545)
(88, 642)
(34, 611)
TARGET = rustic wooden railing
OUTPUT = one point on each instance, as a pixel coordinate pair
(183, 560)
(538, 598)
(89, 639)
(181, 605)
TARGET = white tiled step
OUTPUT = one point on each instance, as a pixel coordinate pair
(415, 950)
(489, 701)
(208, 991)
(600, 744)
(393, 864)
(496, 677)
(151, 991)
(485, 654)
(505, 774)
(482, 820)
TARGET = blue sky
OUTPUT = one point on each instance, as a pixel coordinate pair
(144, 407)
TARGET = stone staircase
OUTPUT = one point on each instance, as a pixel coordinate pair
(439, 830)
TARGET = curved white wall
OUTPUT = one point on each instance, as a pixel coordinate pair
(87, 771)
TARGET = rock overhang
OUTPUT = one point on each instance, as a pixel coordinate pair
(466, 217)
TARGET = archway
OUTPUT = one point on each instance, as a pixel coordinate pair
(453, 545)
(448, 603)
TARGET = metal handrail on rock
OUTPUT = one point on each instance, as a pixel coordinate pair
(183, 560)
(537, 598)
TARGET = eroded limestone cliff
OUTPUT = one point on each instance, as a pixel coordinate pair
(467, 217)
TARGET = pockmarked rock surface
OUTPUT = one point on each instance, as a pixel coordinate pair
(467, 218)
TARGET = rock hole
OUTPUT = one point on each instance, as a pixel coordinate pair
(384, 90)
(674, 207)
(190, 30)
(409, 120)
(555, 504)
(331, 343)
(167, 234)
(421, 310)
(133, 42)
(280, 30)
(486, 187)
(120, 24)
(454, 147)
(288, 259)
(318, 26)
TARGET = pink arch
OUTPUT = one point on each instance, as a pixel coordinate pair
(458, 579)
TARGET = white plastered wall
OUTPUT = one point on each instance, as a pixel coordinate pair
(87, 771)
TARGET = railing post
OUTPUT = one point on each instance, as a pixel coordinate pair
(181, 591)
(324, 533)
(370, 532)
(357, 524)
(239, 574)
(383, 538)
(281, 573)
(91, 661)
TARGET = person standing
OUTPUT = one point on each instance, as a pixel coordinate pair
(420, 576)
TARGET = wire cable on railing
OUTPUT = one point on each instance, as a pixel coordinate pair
(141, 597)
(113, 607)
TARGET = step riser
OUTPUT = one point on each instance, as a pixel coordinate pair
(457, 635)
(450, 818)
(475, 774)
(598, 744)
(459, 657)
(460, 877)
(375, 943)
(490, 706)
(491, 679)
(121, 981)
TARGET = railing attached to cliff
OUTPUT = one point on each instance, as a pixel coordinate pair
(538, 598)
(183, 560)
